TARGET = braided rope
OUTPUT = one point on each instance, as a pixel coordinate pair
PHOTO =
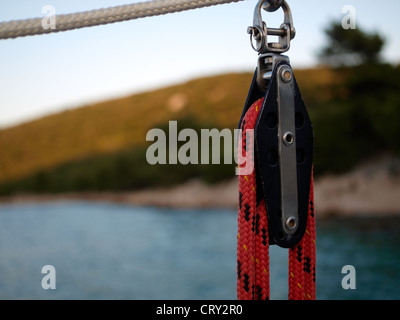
(252, 242)
(27, 27)
(302, 259)
(252, 251)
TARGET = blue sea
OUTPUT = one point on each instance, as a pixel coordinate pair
(112, 251)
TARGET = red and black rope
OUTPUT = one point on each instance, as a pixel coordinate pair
(253, 242)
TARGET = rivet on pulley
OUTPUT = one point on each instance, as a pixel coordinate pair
(286, 74)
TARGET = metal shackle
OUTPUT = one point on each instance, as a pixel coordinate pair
(259, 31)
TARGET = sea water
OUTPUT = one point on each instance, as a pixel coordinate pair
(113, 251)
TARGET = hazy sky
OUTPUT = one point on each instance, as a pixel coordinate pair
(48, 73)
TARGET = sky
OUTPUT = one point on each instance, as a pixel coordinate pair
(44, 74)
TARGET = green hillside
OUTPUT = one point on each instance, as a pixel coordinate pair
(110, 126)
(102, 146)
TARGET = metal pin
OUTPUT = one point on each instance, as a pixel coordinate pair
(288, 138)
(291, 223)
(286, 74)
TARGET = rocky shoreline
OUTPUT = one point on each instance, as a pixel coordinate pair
(371, 189)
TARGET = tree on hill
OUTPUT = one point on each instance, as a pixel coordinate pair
(351, 47)
(362, 118)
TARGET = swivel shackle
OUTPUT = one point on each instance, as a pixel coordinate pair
(259, 31)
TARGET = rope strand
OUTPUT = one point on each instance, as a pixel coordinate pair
(29, 27)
